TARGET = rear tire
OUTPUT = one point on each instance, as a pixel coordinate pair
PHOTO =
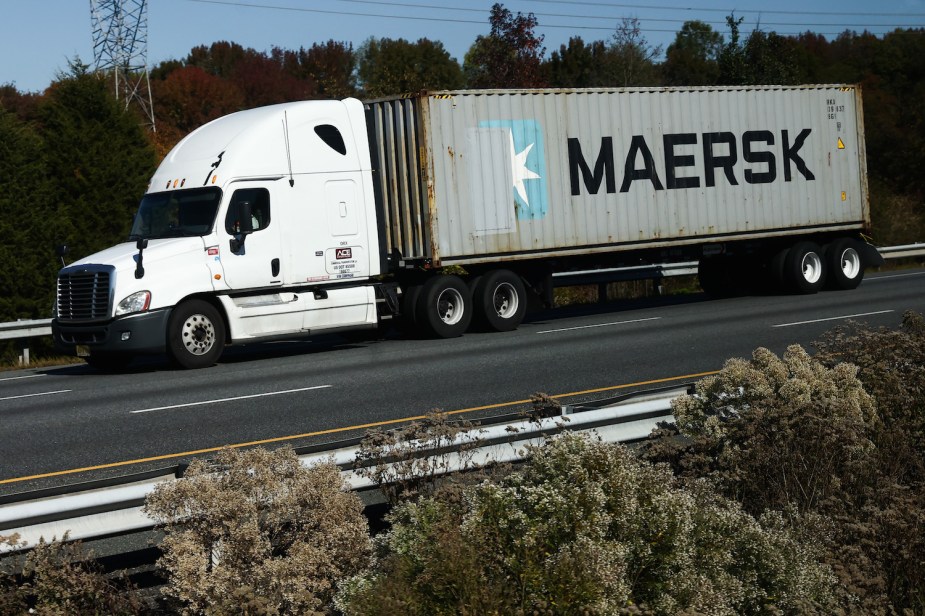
(195, 334)
(500, 300)
(804, 268)
(445, 306)
(845, 264)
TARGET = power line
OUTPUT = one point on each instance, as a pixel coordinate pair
(727, 11)
(540, 26)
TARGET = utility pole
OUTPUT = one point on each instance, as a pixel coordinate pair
(120, 48)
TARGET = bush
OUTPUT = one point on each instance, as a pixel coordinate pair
(58, 579)
(804, 436)
(586, 528)
(776, 433)
(395, 461)
(258, 533)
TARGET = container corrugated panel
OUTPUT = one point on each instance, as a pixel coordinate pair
(481, 175)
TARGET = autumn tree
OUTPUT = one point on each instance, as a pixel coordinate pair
(187, 98)
(396, 66)
(510, 56)
(692, 59)
(331, 66)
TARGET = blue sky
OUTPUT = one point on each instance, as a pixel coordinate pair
(37, 37)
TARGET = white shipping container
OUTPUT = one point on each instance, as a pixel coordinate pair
(473, 176)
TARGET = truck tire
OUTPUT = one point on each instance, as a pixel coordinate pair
(715, 277)
(195, 334)
(444, 307)
(408, 320)
(845, 264)
(804, 268)
(500, 301)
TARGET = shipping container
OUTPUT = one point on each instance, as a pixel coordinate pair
(474, 176)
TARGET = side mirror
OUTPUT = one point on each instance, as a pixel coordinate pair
(61, 251)
(245, 226)
(245, 218)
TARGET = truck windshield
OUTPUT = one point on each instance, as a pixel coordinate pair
(177, 213)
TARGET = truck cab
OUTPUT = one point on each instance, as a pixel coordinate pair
(258, 225)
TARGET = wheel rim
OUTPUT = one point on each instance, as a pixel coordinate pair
(850, 263)
(505, 300)
(450, 306)
(198, 334)
(812, 267)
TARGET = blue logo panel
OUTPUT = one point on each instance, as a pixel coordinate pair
(528, 166)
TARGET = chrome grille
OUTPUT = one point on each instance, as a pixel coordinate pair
(83, 295)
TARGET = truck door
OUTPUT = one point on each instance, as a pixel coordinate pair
(254, 260)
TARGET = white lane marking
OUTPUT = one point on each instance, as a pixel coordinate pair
(272, 393)
(847, 316)
(568, 329)
(875, 278)
(13, 378)
(44, 393)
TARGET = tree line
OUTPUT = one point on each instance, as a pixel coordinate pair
(75, 163)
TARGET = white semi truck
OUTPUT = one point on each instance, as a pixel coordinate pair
(314, 216)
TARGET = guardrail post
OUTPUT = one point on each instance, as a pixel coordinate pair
(24, 352)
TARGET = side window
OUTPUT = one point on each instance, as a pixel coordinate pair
(259, 198)
(332, 137)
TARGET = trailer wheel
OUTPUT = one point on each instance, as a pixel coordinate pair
(845, 265)
(804, 268)
(500, 300)
(444, 306)
(195, 334)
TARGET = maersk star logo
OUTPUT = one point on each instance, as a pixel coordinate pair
(528, 166)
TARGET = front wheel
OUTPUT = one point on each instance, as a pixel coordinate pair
(444, 306)
(195, 335)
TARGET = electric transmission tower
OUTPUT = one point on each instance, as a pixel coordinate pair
(120, 47)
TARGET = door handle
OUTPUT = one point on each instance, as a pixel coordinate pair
(274, 267)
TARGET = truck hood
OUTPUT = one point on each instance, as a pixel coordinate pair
(124, 256)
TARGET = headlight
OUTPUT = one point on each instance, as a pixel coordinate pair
(136, 302)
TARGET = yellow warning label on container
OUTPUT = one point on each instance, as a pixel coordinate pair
(844, 196)
(841, 144)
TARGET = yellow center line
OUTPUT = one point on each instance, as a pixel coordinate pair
(377, 424)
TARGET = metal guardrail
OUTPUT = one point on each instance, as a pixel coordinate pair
(114, 507)
(42, 327)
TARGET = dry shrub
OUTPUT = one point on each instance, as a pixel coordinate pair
(586, 528)
(407, 462)
(59, 579)
(256, 532)
(823, 437)
(779, 432)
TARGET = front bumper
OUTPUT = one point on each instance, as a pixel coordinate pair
(144, 332)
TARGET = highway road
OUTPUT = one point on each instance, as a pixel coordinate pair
(72, 424)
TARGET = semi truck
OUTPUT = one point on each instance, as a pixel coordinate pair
(452, 210)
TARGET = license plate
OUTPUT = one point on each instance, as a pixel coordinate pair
(83, 350)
